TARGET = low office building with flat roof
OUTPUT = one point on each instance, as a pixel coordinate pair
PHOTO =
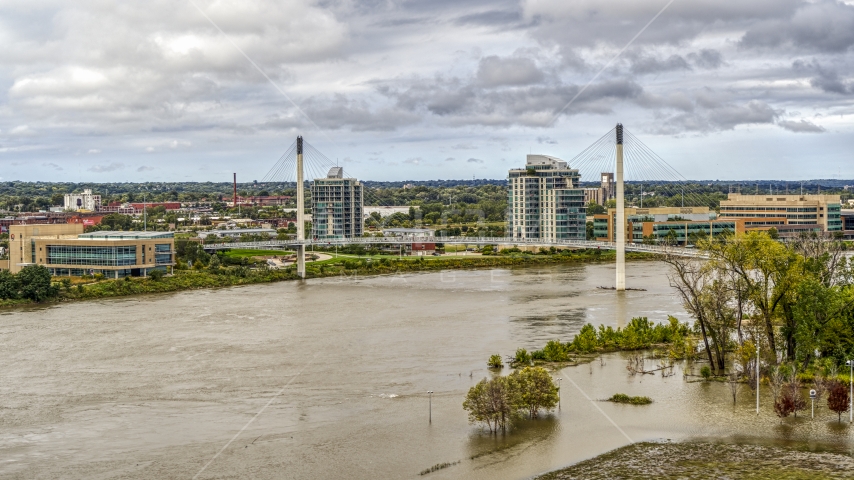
(66, 250)
(677, 224)
(819, 210)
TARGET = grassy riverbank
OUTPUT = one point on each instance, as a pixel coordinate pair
(707, 460)
(352, 267)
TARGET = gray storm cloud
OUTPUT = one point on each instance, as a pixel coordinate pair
(410, 79)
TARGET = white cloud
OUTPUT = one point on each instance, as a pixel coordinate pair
(22, 130)
(94, 151)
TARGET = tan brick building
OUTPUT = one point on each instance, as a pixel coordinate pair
(66, 250)
(820, 210)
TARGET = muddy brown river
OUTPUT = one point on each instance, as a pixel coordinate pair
(328, 379)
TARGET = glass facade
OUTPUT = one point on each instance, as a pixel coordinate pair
(544, 201)
(162, 254)
(336, 208)
(94, 255)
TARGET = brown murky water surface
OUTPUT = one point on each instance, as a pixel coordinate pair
(327, 380)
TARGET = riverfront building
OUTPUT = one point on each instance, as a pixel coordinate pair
(819, 211)
(336, 206)
(676, 224)
(546, 201)
(66, 250)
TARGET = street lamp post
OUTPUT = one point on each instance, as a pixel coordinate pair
(757, 376)
(431, 405)
(850, 364)
(812, 402)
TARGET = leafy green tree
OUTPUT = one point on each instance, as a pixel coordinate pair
(9, 285)
(490, 402)
(534, 390)
(35, 283)
(585, 341)
(594, 208)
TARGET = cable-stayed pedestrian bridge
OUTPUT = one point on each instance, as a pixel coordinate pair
(479, 241)
(617, 151)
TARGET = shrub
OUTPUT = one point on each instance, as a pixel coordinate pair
(156, 275)
(784, 405)
(495, 362)
(522, 357)
(623, 398)
(556, 351)
(706, 372)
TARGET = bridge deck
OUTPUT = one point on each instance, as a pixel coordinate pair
(632, 247)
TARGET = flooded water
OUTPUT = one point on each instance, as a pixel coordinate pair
(328, 379)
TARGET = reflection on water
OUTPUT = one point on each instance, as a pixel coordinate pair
(155, 386)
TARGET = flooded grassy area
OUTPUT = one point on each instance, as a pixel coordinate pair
(708, 460)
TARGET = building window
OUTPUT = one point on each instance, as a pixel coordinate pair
(91, 255)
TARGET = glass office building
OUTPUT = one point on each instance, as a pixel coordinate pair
(65, 250)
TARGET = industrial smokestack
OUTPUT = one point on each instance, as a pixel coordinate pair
(235, 189)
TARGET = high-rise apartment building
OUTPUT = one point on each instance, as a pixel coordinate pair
(336, 206)
(546, 201)
(819, 210)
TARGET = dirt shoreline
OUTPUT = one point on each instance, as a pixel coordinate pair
(701, 460)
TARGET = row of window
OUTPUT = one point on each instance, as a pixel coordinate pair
(86, 255)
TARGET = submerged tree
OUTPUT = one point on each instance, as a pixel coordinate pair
(489, 402)
(837, 398)
(533, 390)
(497, 401)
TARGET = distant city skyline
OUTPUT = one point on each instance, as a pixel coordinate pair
(196, 90)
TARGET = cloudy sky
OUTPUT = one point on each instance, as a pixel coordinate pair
(194, 90)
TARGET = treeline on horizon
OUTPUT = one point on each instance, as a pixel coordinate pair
(489, 195)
